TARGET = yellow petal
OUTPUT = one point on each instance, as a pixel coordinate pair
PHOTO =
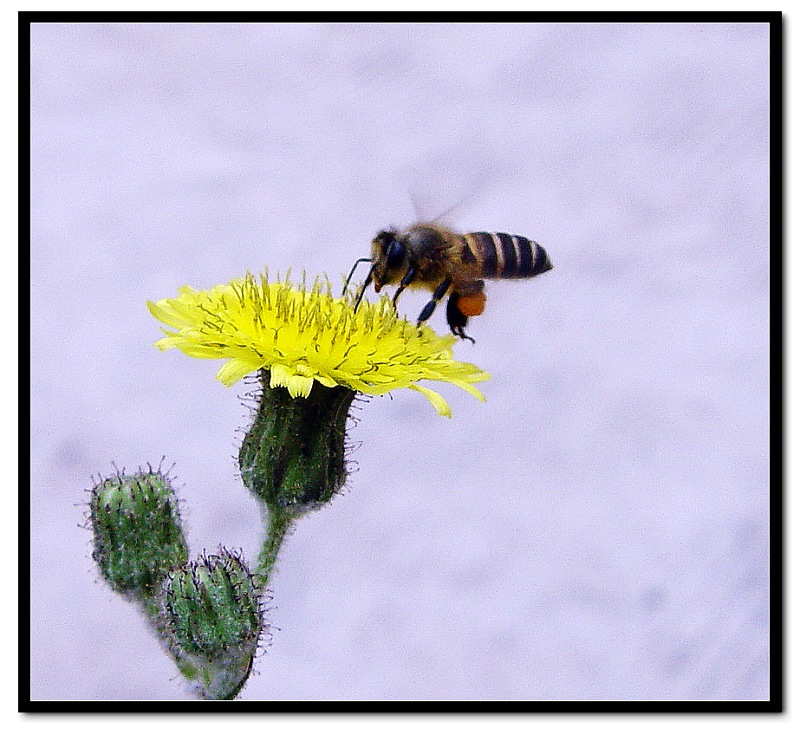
(158, 310)
(471, 389)
(234, 370)
(279, 376)
(439, 403)
(300, 386)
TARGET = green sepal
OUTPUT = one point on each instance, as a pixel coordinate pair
(293, 456)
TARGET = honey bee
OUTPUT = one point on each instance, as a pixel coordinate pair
(431, 257)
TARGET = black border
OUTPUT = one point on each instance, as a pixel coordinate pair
(777, 84)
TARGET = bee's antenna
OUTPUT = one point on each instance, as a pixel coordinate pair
(353, 270)
(364, 287)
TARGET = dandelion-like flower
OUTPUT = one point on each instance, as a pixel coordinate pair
(301, 336)
(313, 353)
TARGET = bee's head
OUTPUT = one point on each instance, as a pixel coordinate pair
(388, 256)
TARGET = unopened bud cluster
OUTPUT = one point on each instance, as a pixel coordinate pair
(207, 613)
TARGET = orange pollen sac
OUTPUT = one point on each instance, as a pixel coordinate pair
(472, 305)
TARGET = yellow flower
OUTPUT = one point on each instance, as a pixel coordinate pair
(304, 335)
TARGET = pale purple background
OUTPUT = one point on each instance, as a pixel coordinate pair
(598, 529)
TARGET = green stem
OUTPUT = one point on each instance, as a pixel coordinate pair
(217, 680)
(278, 522)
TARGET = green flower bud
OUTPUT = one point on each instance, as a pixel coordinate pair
(212, 620)
(293, 456)
(137, 531)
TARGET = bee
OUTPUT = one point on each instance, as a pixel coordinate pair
(431, 257)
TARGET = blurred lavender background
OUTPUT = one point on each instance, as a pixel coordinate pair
(598, 529)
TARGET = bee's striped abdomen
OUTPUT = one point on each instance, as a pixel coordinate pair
(505, 256)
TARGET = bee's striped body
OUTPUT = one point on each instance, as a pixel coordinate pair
(432, 257)
(501, 255)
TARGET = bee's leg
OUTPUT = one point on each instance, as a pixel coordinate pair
(407, 278)
(461, 306)
(455, 318)
(438, 295)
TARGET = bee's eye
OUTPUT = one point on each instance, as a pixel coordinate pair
(395, 254)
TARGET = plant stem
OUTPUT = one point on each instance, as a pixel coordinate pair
(278, 522)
